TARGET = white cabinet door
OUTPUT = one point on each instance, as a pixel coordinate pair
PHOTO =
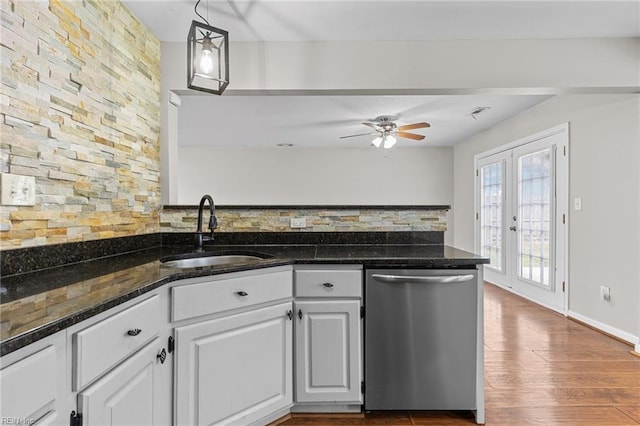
(128, 394)
(328, 351)
(32, 383)
(234, 370)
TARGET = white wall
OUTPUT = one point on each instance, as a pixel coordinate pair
(295, 176)
(429, 67)
(604, 165)
(415, 65)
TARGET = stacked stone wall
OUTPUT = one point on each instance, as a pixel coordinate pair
(79, 111)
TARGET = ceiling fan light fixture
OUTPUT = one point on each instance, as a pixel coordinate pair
(207, 57)
(377, 141)
(389, 141)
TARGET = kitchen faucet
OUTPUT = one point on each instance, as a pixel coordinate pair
(213, 221)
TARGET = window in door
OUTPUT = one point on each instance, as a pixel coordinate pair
(492, 178)
(535, 207)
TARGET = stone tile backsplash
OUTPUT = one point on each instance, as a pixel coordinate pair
(80, 111)
(317, 220)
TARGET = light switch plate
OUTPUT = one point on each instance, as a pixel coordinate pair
(577, 204)
(17, 190)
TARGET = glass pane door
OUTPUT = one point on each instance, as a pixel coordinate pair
(522, 198)
(491, 214)
(535, 217)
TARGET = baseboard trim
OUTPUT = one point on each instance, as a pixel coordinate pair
(327, 408)
(606, 329)
(274, 419)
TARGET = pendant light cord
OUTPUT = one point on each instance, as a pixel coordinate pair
(195, 9)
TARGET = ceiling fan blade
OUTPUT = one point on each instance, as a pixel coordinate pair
(359, 134)
(414, 126)
(410, 136)
(372, 125)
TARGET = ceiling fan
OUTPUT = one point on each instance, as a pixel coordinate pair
(387, 129)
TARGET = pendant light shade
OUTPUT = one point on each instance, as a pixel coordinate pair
(207, 58)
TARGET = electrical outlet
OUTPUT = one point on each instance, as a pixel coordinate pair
(298, 222)
(605, 293)
(17, 190)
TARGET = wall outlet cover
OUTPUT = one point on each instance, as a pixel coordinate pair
(17, 190)
(298, 222)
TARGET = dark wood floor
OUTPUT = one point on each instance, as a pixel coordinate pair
(540, 369)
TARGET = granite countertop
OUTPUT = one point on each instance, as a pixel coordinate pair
(37, 304)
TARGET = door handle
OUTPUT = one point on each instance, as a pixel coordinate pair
(162, 356)
(434, 279)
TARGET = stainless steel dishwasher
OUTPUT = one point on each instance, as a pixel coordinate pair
(421, 331)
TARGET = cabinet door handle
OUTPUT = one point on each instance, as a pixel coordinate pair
(134, 332)
(242, 293)
(300, 313)
(162, 356)
(512, 228)
(290, 314)
(328, 285)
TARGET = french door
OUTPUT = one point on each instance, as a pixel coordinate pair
(522, 196)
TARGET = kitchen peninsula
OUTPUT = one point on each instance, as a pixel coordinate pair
(97, 294)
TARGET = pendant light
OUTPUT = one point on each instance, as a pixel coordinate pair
(207, 57)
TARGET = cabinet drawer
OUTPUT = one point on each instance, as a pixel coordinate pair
(327, 283)
(210, 297)
(102, 345)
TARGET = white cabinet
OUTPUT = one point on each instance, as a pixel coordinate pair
(328, 351)
(236, 369)
(328, 337)
(32, 383)
(117, 376)
(218, 294)
(100, 346)
(234, 348)
(128, 394)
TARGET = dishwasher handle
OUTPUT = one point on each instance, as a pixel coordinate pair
(433, 279)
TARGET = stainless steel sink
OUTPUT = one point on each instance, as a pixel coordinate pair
(214, 260)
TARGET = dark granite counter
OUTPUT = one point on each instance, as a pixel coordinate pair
(40, 303)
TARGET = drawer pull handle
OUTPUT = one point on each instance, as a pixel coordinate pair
(242, 293)
(134, 332)
(328, 285)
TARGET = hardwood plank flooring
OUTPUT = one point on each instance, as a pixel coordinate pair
(540, 369)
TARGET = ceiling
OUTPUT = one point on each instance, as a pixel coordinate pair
(307, 121)
(316, 20)
(319, 121)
